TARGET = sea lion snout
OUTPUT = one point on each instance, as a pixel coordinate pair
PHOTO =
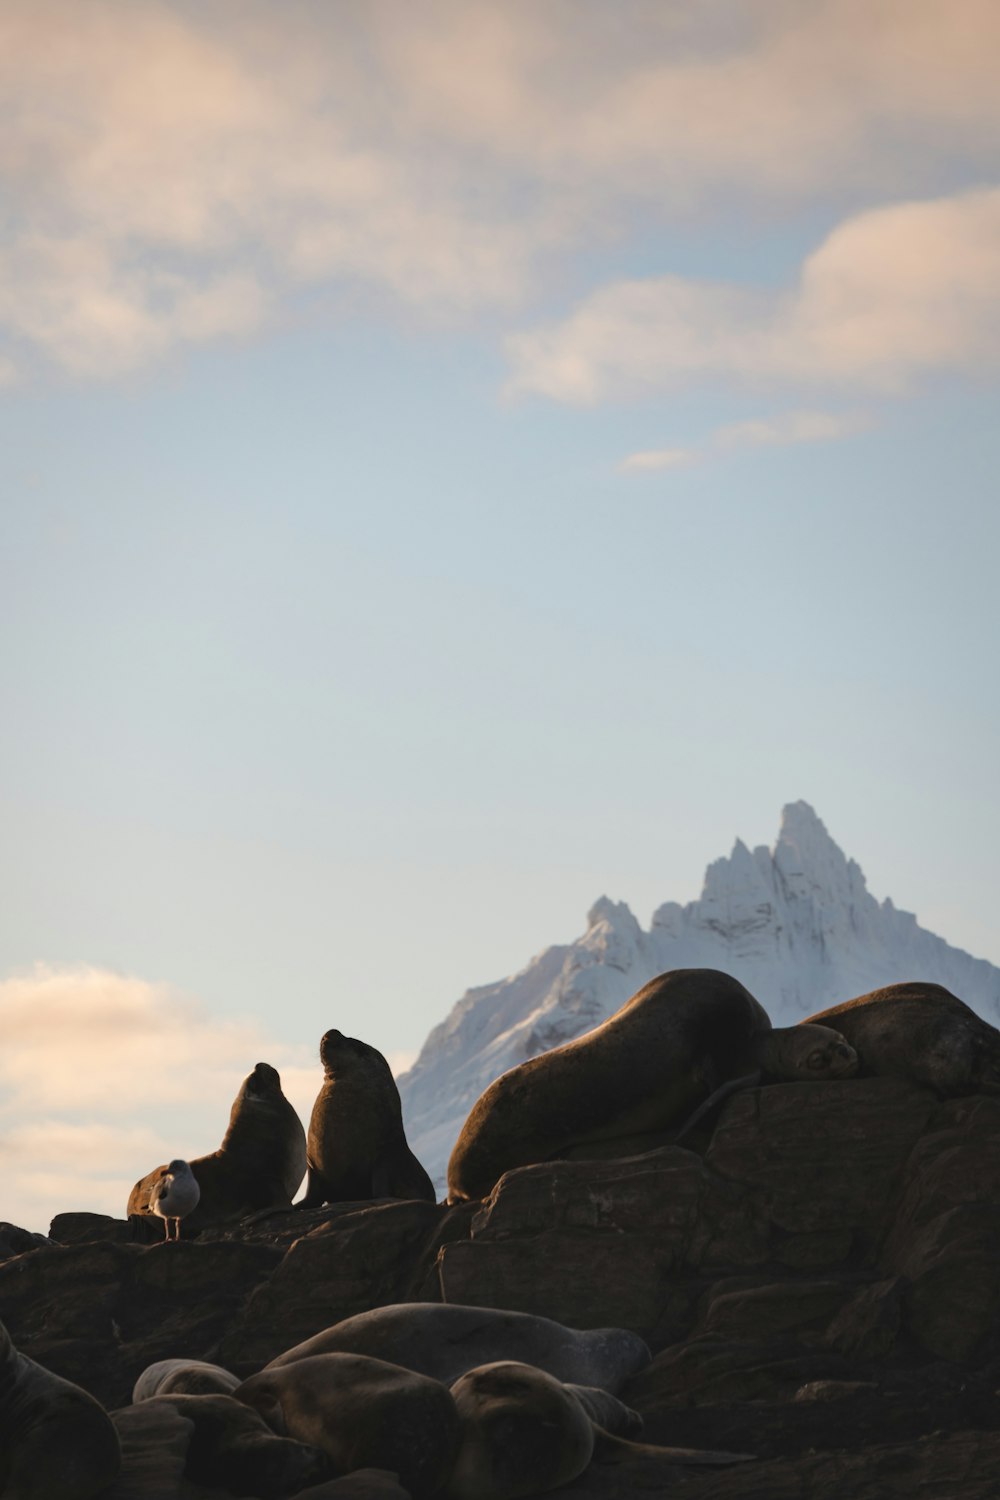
(838, 1060)
(331, 1043)
(265, 1077)
(845, 1060)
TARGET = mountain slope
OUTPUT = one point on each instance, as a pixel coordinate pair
(796, 924)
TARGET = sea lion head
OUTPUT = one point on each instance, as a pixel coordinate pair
(806, 1053)
(263, 1080)
(522, 1433)
(339, 1054)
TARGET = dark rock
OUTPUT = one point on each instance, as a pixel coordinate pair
(363, 1257)
(576, 1241)
(17, 1241)
(155, 1439)
(583, 1280)
(868, 1324)
(363, 1484)
(946, 1234)
(955, 1466)
(84, 1229)
(829, 1158)
(99, 1313)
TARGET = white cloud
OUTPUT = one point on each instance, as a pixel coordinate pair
(657, 458)
(890, 296)
(103, 1076)
(792, 427)
(686, 99)
(176, 175)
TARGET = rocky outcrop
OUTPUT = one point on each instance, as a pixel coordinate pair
(819, 1281)
(796, 924)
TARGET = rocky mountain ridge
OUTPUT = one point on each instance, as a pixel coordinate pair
(796, 924)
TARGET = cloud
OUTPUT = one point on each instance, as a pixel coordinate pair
(780, 430)
(657, 458)
(172, 183)
(890, 296)
(792, 427)
(102, 1076)
(175, 175)
(686, 100)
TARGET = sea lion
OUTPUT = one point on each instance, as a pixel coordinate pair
(606, 1411)
(233, 1447)
(524, 1432)
(55, 1439)
(183, 1377)
(921, 1032)
(364, 1413)
(260, 1163)
(357, 1147)
(663, 1053)
(444, 1340)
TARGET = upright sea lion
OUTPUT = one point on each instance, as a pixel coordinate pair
(260, 1163)
(444, 1340)
(648, 1066)
(55, 1439)
(357, 1147)
(363, 1413)
(922, 1032)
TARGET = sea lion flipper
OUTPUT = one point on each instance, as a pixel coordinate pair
(709, 1110)
(620, 1450)
(315, 1194)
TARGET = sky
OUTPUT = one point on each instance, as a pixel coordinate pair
(457, 461)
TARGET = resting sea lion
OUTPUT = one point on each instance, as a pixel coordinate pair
(648, 1066)
(606, 1411)
(363, 1413)
(922, 1032)
(55, 1439)
(523, 1433)
(259, 1165)
(233, 1447)
(357, 1147)
(444, 1340)
(183, 1377)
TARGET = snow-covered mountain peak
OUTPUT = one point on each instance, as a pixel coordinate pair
(796, 924)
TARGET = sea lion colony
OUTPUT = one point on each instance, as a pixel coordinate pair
(458, 1401)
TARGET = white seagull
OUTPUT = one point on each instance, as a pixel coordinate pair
(174, 1196)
